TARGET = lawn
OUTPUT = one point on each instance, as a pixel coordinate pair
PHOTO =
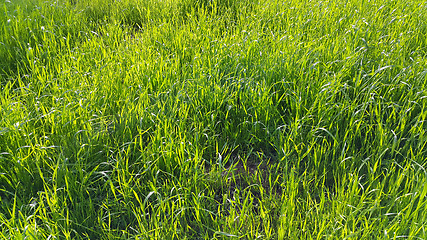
(213, 119)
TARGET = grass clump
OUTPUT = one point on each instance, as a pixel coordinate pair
(213, 119)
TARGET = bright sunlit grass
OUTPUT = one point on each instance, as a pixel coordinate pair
(197, 119)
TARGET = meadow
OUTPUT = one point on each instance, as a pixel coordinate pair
(213, 119)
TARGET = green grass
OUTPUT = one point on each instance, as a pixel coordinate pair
(197, 119)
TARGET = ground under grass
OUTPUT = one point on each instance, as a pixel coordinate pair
(197, 119)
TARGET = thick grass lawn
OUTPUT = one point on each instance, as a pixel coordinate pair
(213, 119)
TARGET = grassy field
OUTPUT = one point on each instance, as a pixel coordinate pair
(213, 119)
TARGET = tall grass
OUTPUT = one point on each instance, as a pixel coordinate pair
(213, 119)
